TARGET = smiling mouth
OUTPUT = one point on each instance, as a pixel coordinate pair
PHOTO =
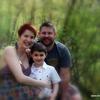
(47, 40)
(27, 44)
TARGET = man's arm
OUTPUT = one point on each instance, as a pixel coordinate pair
(65, 77)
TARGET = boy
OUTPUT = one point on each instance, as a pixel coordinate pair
(41, 71)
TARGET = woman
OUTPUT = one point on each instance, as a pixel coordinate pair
(14, 80)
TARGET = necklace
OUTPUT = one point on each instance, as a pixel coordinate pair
(23, 59)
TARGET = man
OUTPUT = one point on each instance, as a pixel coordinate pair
(58, 56)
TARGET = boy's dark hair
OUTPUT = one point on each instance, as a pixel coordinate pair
(38, 46)
(47, 24)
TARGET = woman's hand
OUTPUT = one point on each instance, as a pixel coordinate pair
(46, 84)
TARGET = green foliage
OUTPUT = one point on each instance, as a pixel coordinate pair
(81, 33)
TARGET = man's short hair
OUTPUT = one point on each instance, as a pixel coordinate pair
(47, 24)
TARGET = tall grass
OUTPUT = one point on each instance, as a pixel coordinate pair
(1, 58)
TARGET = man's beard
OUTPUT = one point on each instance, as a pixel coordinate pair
(43, 40)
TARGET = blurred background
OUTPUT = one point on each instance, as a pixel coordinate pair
(78, 27)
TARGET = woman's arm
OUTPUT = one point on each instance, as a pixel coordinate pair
(12, 61)
(55, 91)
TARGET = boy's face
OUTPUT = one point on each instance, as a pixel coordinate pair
(38, 57)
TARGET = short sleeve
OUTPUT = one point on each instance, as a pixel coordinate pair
(55, 78)
(65, 56)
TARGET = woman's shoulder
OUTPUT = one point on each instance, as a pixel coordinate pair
(9, 48)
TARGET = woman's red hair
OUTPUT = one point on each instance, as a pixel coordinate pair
(27, 26)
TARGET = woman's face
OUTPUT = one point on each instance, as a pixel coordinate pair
(26, 39)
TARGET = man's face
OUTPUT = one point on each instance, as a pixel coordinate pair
(47, 35)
